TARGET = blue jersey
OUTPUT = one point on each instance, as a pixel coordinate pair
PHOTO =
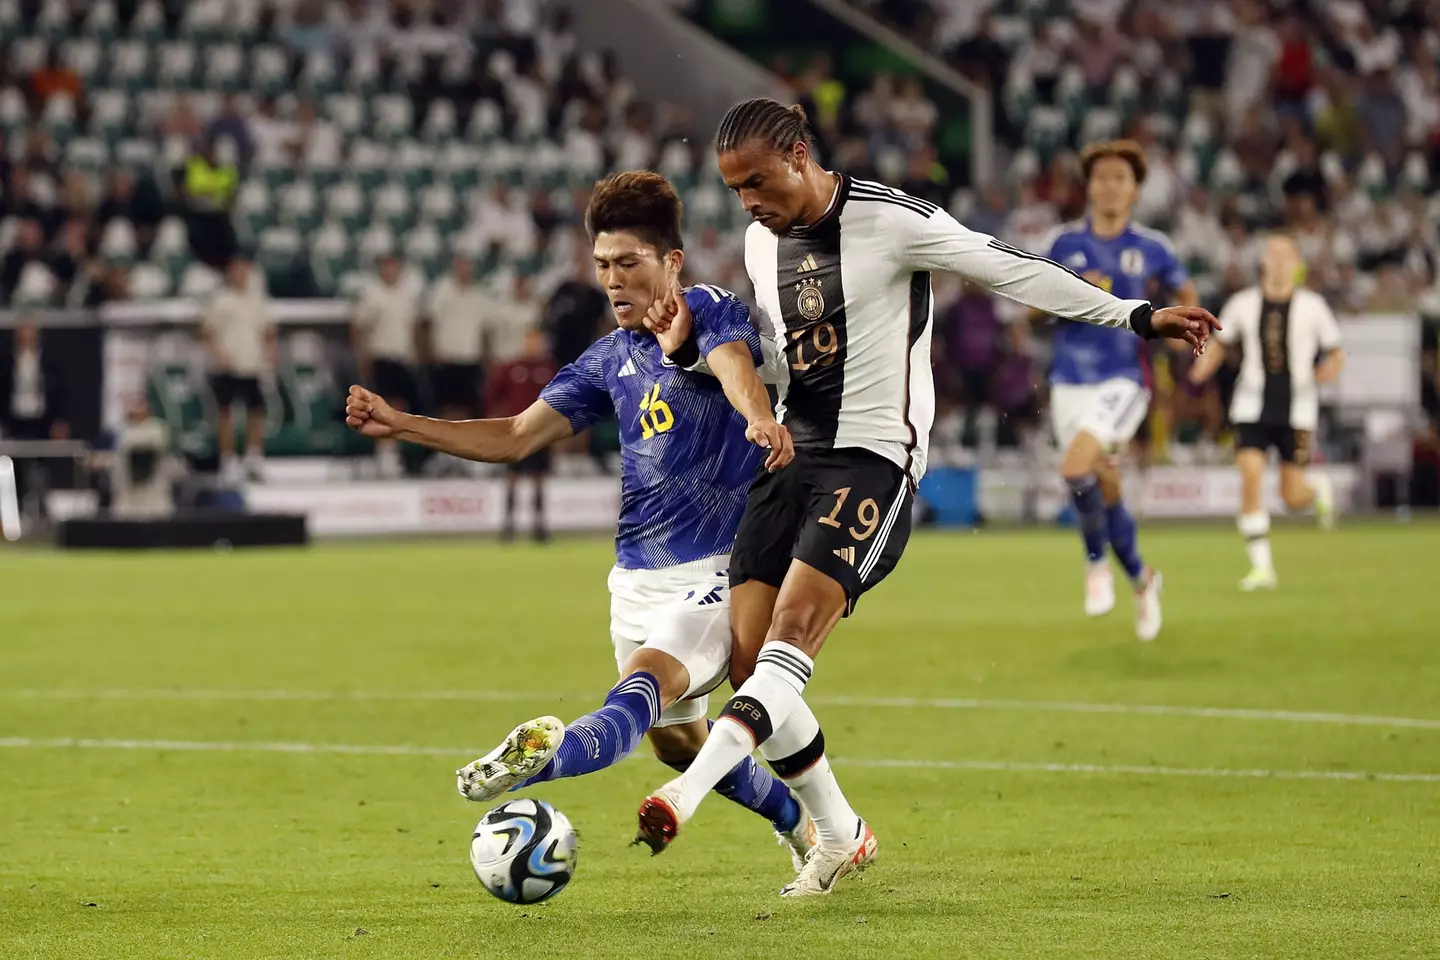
(686, 465)
(1139, 264)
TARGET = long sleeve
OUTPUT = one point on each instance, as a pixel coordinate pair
(938, 242)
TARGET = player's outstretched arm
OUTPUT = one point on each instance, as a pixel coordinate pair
(734, 366)
(938, 242)
(505, 440)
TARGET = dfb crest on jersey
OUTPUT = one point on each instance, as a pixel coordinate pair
(1132, 261)
(810, 301)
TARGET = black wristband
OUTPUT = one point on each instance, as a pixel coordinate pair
(687, 354)
(1141, 323)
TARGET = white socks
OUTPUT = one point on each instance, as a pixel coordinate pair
(1255, 528)
(761, 706)
(797, 754)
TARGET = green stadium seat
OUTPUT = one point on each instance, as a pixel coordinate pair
(1226, 175)
(485, 123)
(459, 163)
(83, 55)
(59, 117)
(414, 161)
(89, 155)
(1371, 177)
(135, 155)
(320, 77)
(203, 22)
(347, 112)
(1046, 130)
(176, 65)
(1125, 92)
(440, 122)
(277, 249)
(1019, 95)
(199, 282)
(1415, 174)
(1100, 123)
(330, 255)
(171, 249)
(109, 115)
(1070, 94)
(678, 165)
(370, 162)
(439, 205)
(363, 78)
(148, 26)
(225, 67)
(53, 24)
(1170, 95)
(375, 241)
(425, 248)
(27, 55)
(253, 210)
(242, 23)
(351, 284)
(1024, 166)
(36, 287)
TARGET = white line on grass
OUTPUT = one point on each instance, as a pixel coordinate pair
(1000, 766)
(1023, 706)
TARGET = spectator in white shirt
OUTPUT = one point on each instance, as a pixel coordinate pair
(457, 311)
(386, 319)
(240, 339)
(509, 320)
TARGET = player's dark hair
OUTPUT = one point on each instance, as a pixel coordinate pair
(1127, 150)
(771, 122)
(638, 202)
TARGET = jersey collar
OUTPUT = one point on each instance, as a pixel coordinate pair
(832, 212)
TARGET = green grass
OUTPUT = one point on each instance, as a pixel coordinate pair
(168, 853)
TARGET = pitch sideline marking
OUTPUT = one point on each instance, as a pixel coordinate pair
(1001, 766)
(1026, 706)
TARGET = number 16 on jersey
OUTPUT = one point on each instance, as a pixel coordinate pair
(655, 415)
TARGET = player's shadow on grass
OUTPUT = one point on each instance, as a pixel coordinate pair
(1142, 661)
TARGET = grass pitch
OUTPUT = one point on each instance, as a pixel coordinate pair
(268, 740)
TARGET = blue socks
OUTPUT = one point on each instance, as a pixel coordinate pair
(608, 735)
(757, 789)
(1124, 539)
(1090, 515)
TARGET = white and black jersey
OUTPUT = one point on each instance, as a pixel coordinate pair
(848, 301)
(1281, 344)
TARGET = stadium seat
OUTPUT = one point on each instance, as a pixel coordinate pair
(1332, 168)
(53, 23)
(393, 117)
(414, 162)
(148, 25)
(130, 65)
(199, 282)
(347, 112)
(242, 21)
(135, 155)
(277, 249)
(351, 284)
(330, 255)
(299, 206)
(225, 67)
(370, 162)
(677, 164)
(1046, 130)
(36, 286)
(376, 241)
(89, 155)
(1227, 175)
(460, 164)
(319, 77)
(109, 114)
(83, 55)
(485, 122)
(117, 244)
(174, 151)
(100, 21)
(1025, 165)
(27, 55)
(9, 227)
(59, 117)
(1415, 174)
(345, 203)
(203, 22)
(171, 249)
(252, 211)
(1100, 123)
(363, 78)
(1125, 90)
(392, 206)
(14, 113)
(440, 122)
(1070, 94)
(425, 248)
(1019, 95)
(1371, 177)
(269, 70)
(149, 281)
(176, 65)
(438, 205)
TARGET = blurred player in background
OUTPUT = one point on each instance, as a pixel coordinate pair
(1099, 393)
(240, 337)
(384, 337)
(694, 417)
(512, 388)
(1290, 342)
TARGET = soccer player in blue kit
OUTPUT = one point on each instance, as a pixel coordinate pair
(696, 425)
(1100, 379)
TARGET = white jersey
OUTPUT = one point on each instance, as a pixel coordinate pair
(847, 300)
(1281, 343)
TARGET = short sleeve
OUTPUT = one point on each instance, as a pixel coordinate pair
(720, 318)
(579, 391)
(1328, 328)
(1172, 273)
(1232, 318)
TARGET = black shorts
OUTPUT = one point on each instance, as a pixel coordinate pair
(535, 465)
(456, 385)
(229, 389)
(844, 512)
(1293, 445)
(395, 383)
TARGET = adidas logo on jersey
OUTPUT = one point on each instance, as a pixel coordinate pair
(628, 370)
(807, 264)
(847, 554)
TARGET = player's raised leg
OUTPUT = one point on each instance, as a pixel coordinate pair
(1254, 521)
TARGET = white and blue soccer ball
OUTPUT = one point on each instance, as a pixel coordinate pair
(524, 851)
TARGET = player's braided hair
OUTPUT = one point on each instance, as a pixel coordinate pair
(769, 121)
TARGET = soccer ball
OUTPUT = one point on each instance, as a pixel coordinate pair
(524, 851)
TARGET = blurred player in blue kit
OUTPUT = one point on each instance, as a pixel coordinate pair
(1100, 378)
(696, 425)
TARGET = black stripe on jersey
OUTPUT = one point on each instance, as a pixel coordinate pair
(919, 320)
(913, 204)
(882, 191)
(1276, 394)
(812, 306)
(999, 245)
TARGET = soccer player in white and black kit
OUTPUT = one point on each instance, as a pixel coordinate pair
(1290, 342)
(841, 269)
